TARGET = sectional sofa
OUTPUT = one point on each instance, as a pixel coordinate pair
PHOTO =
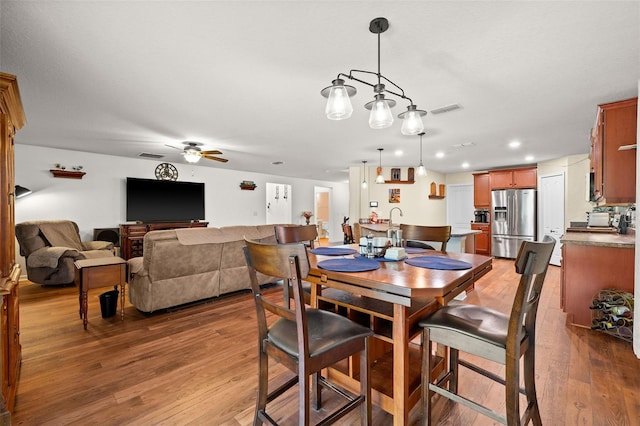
(186, 265)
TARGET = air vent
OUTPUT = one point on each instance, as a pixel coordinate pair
(446, 108)
(150, 155)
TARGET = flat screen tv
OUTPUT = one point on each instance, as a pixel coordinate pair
(150, 200)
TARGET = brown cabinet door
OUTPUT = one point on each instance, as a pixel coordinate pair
(481, 191)
(619, 167)
(501, 179)
(525, 178)
(483, 240)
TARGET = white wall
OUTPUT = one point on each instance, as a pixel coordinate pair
(415, 204)
(98, 200)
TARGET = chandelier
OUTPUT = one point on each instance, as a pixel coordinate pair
(338, 96)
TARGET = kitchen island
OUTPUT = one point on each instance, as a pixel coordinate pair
(461, 241)
(592, 262)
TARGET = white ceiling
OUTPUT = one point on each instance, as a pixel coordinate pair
(125, 77)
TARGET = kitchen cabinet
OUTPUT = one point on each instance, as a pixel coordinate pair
(592, 262)
(481, 191)
(514, 178)
(483, 240)
(614, 170)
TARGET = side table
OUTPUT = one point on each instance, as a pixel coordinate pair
(100, 272)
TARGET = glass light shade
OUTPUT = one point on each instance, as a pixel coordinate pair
(364, 184)
(421, 170)
(192, 156)
(379, 177)
(338, 104)
(380, 116)
(412, 123)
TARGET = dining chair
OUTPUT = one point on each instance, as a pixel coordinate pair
(286, 234)
(419, 233)
(492, 335)
(303, 339)
(348, 233)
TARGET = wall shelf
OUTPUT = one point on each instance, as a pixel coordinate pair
(247, 185)
(436, 197)
(400, 182)
(67, 174)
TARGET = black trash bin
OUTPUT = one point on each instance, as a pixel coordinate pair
(109, 303)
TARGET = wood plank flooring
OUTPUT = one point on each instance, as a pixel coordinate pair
(197, 366)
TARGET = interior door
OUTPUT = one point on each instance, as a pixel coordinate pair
(551, 213)
(460, 206)
(278, 203)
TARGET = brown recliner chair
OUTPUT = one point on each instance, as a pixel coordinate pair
(51, 246)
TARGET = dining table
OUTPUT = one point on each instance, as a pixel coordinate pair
(391, 297)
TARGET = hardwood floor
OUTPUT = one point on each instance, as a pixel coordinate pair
(198, 365)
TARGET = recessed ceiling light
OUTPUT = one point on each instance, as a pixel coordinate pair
(465, 165)
(277, 163)
(398, 152)
(514, 144)
(529, 158)
(439, 154)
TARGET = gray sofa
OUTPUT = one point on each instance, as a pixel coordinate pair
(51, 246)
(186, 265)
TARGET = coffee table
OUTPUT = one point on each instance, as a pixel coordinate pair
(100, 272)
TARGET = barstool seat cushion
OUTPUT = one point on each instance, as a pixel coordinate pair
(327, 330)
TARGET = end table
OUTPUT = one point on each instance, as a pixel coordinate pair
(100, 272)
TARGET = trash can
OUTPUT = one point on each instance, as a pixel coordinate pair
(109, 303)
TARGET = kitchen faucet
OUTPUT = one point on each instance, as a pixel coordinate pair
(391, 214)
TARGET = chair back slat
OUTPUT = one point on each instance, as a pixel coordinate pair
(440, 234)
(532, 263)
(296, 234)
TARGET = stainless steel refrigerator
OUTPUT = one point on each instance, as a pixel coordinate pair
(513, 220)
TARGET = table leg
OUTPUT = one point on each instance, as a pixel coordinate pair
(122, 288)
(400, 366)
(85, 306)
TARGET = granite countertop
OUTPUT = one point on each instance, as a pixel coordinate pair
(600, 239)
(382, 227)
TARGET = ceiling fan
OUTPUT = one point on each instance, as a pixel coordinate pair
(192, 153)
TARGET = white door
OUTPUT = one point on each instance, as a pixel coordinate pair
(460, 206)
(551, 211)
(278, 203)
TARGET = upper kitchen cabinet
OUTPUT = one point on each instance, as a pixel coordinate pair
(514, 178)
(481, 191)
(614, 169)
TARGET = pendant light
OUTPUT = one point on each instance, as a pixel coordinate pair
(339, 105)
(364, 174)
(421, 170)
(379, 177)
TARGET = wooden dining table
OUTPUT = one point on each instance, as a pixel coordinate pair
(391, 300)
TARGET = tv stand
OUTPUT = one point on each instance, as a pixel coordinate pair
(132, 235)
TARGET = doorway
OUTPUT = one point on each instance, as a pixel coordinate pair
(551, 211)
(278, 203)
(322, 213)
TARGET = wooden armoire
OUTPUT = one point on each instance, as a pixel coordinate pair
(11, 120)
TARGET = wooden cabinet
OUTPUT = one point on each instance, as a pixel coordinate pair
(481, 190)
(614, 170)
(514, 178)
(132, 235)
(11, 120)
(588, 268)
(483, 240)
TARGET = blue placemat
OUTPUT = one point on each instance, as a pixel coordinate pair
(356, 264)
(414, 250)
(438, 262)
(333, 251)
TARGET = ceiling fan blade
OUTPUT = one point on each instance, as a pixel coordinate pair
(210, 157)
(174, 147)
(214, 152)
